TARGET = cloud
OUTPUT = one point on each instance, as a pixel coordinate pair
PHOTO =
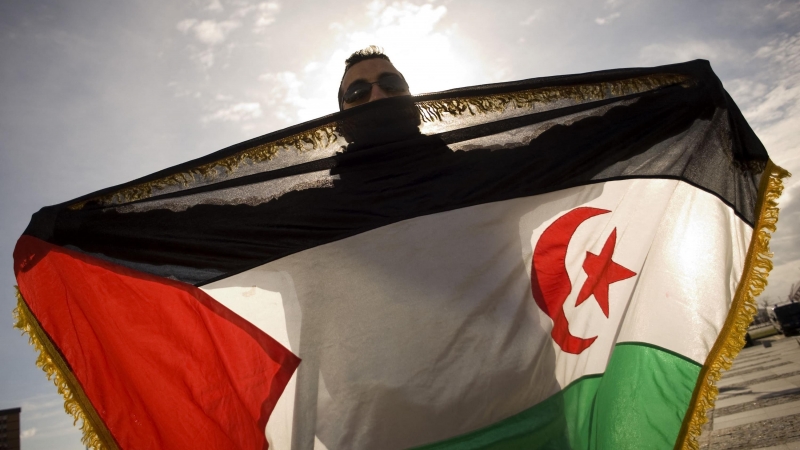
(668, 53)
(532, 18)
(186, 25)
(746, 91)
(776, 104)
(607, 19)
(39, 403)
(783, 49)
(284, 98)
(262, 14)
(203, 57)
(786, 242)
(283, 84)
(783, 10)
(238, 112)
(265, 15)
(27, 433)
(782, 98)
(770, 101)
(208, 32)
(212, 32)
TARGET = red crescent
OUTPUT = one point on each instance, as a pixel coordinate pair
(550, 282)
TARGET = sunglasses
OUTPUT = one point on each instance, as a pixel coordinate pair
(361, 89)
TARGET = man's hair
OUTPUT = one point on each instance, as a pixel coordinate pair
(371, 52)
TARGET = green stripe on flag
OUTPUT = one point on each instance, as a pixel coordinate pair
(639, 402)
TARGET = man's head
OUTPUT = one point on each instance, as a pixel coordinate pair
(368, 76)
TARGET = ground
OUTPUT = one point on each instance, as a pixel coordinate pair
(759, 399)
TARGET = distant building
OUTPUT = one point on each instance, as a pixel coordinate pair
(761, 316)
(9, 429)
(795, 297)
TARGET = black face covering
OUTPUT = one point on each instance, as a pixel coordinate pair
(381, 122)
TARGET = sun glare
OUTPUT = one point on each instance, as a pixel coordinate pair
(420, 46)
(426, 50)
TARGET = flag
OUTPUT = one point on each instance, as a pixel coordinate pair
(562, 262)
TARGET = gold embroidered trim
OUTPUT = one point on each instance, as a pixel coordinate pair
(435, 109)
(95, 434)
(312, 139)
(731, 339)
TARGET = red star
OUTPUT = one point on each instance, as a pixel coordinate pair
(602, 271)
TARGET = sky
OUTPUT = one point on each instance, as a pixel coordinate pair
(94, 93)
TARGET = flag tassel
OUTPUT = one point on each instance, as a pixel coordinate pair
(95, 434)
(732, 337)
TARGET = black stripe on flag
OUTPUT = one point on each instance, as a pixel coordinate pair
(691, 132)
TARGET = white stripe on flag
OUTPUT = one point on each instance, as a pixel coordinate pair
(426, 329)
(266, 299)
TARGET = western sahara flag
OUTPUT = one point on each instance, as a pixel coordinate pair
(562, 262)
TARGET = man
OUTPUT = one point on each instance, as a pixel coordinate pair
(369, 75)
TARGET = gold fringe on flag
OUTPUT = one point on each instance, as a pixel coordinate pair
(313, 139)
(95, 434)
(731, 339)
(435, 110)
